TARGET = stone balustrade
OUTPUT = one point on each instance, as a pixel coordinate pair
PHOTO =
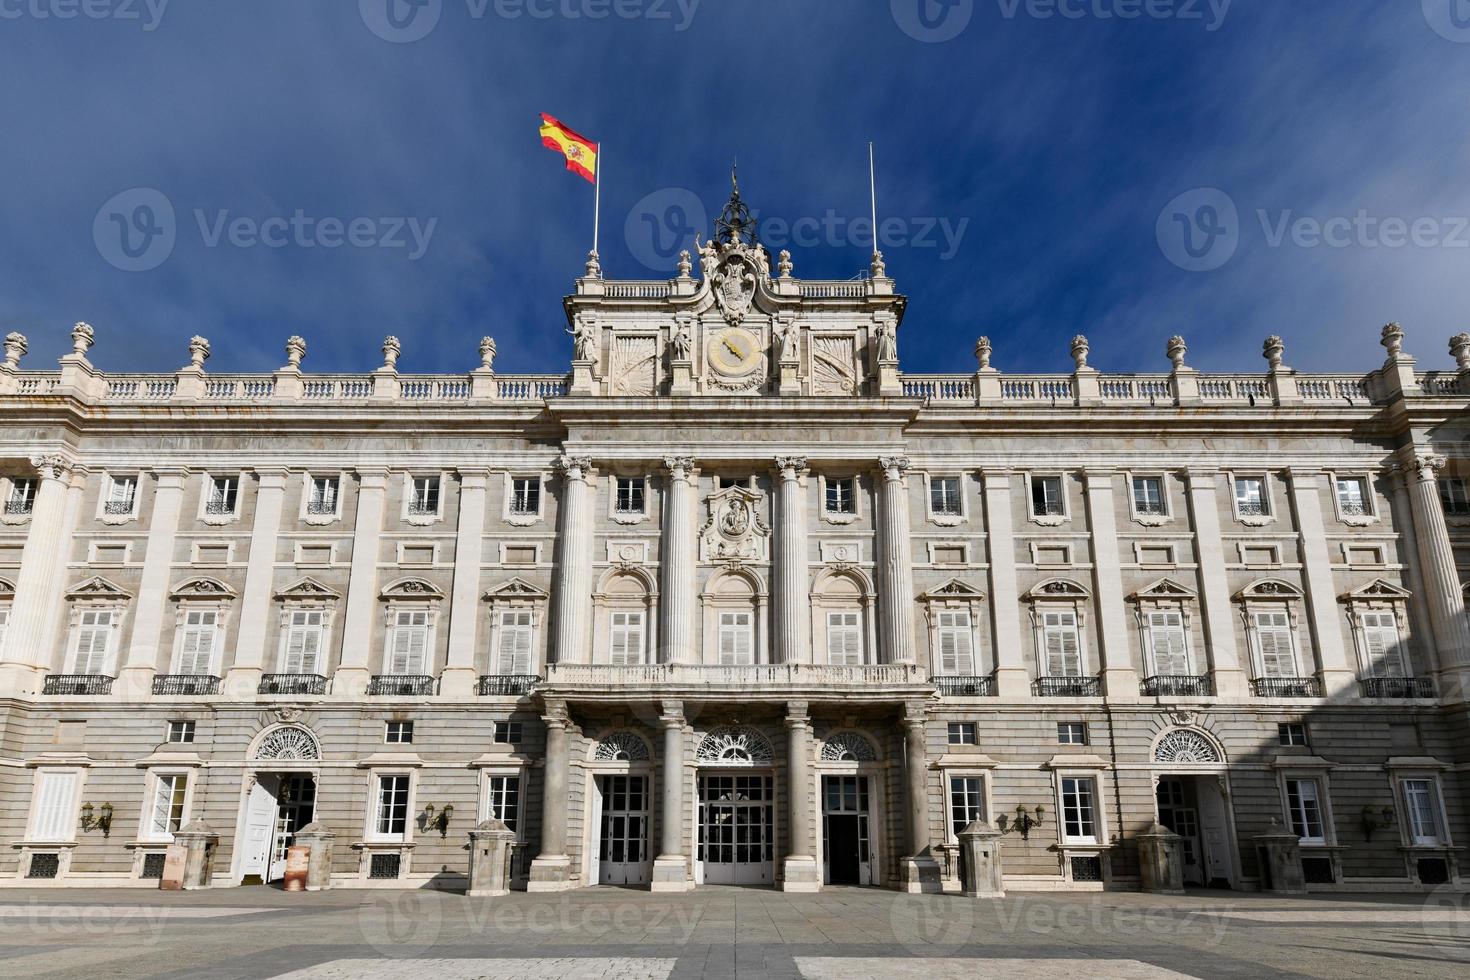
(694, 679)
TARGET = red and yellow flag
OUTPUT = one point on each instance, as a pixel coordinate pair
(581, 153)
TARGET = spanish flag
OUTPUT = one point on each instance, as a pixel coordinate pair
(581, 153)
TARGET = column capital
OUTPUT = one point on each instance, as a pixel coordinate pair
(169, 476)
(372, 477)
(996, 480)
(915, 714)
(796, 715)
(1095, 475)
(679, 468)
(791, 467)
(1304, 475)
(893, 467)
(473, 477)
(671, 714)
(555, 715)
(1202, 478)
(53, 466)
(573, 467)
(275, 476)
(1425, 466)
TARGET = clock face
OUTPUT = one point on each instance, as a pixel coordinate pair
(734, 352)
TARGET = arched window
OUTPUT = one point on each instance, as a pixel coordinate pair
(848, 747)
(289, 743)
(842, 620)
(621, 747)
(625, 604)
(1183, 745)
(730, 746)
(735, 618)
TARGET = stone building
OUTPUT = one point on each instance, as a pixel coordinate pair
(735, 600)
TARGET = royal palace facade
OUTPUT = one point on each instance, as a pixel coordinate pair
(735, 600)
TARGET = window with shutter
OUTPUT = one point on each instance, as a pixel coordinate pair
(736, 643)
(392, 817)
(196, 651)
(1062, 653)
(844, 638)
(169, 794)
(956, 653)
(304, 643)
(1381, 644)
(1273, 636)
(503, 799)
(1422, 809)
(626, 638)
(1168, 644)
(1304, 806)
(410, 643)
(1079, 820)
(515, 643)
(94, 641)
(53, 816)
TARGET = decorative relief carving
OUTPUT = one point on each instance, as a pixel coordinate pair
(1183, 745)
(731, 746)
(633, 366)
(734, 531)
(848, 747)
(834, 366)
(289, 744)
(621, 747)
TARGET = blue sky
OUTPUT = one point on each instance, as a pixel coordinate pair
(1047, 162)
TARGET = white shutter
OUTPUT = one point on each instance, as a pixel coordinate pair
(1062, 655)
(1273, 632)
(1166, 637)
(303, 643)
(1423, 827)
(54, 807)
(735, 645)
(515, 643)
(956, 654)
(197, 653)
(1381, 639)
(163, 796)
(410, 640)
(94, 632)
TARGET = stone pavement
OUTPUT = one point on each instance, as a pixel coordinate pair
(839, 934)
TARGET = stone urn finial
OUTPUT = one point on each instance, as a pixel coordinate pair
(1392, 338)
(1176, 351)
(82, 337)
(783, 264)
(295, 351)
(1460, 350)
(1080, 350)
(685, 264)
(982, 353)
(1272, 350)
(15, 349)
(391, 349)
(487, 353)
(198, 353)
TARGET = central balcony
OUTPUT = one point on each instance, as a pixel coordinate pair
(196, 684)
(401, 685)
(778, 681)
(1069, 687)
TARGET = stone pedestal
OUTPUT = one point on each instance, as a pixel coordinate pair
(788, 380)
(1161, 861)
(889, 383)
(492, 847)
(187, 864)
(980, 861)
(582, 381)
(319, 842)
(1280, 856)
(681, 377)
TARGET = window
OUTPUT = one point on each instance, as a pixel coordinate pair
(196, 648)
(180, 731)
(1168, 643)
(423, 495)
(727, 482)
(398, 733)
(506, 733)
(22, 497)
(222, 495)
(1250, 497)
(626, 639)
(1454, 496)
(1304, 810)
(1291, 734)
(122, 495)
(409, 644)
(630, 495)
(963, 733)
(1380, 639)
(516, 634)
(1071, 733)
(1079, 810)
(1046, 496)
(503, 800)
(966, 801)
(1148, 496)
(93, 650)
(737, 644)
(1352, 497)
(840, 497)
(322, 496)
(392, 815)
(944, 496)
(1421, 808)
(956, 649)
(304, 642)
(525, 496)
(844, 637)
(166, 814)
(4, 623)
(1061, 650)
(53, 817)
(1274, 643)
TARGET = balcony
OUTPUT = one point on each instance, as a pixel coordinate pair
(1069, 687)
(1286, 687)
(1178, 686)
(857, 682)
(18, 506)
(1251, 508)
(119, 508)
(400, 685)
(958, 686)
(506, 684)
(195, 684)
(1455, 508)
(1398, 687)
(77, 684)
(292, 684)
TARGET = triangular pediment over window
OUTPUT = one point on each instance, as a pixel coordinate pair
(1268, 589)
(411, 588)
(516, 588)
(202, 588)
(1377, 591)
(98, 587)
(1162, 591)
(1057, 588)
(953, 591)
(306, 590)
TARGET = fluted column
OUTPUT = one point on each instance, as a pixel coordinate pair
(679, 557)
(355, 667)
(1339, 678)
(460, 673)
(251, 645)
(135, 680)
(551, 870)
(920, 870)
(1120, 679)
(671, 866)
(1442, 591)
(799, 870)
(896, 576)
(1012, 679)
(1214, 585)
(38, 589)
(1421, 624)
(573, 582)
(793, 591)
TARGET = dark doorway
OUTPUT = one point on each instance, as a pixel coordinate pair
(843, 849)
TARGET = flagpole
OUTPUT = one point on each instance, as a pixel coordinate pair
(873, 195)
(597, 199)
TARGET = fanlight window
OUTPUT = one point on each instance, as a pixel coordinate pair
(1185, 746)
(848, 747)
(622, 747)
(289, 744)
(735, 747)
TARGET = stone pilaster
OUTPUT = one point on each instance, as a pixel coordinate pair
(671, 866)
(1441, 580)
(573, 582)
(1214, 586)
(1339, 679)
(252, 642)
(1120, 679)
(799, 872)
(38, 590)
(1012, 680)
(676, 604)
(551, 871)
(460, 673)
(793, 591)
(895, 571)
(355, 668)
(135, 680)
(919, 871)
(1421, 623)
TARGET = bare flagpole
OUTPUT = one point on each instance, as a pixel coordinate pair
(877, 264)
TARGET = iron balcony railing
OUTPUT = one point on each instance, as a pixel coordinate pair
(1286, 687)
(77, 684)
(219, 505)
(1178, 686)
(185, 684)
(293, 684)
(961, 686)
(1251, 508)
(1398, 687)
(18, 506)
(506, 684)
(400, 685)
(1068, 687)
(118, 507)
(1455, 508)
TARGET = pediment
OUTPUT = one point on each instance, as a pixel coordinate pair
(307, 589)
(7, 589)
(202, 588)
(516, 588)
(1377, 590)
(953, 590)
(411, 588)
(98, 587)
(1269, 588)
(1164, 589)
(1058, 588)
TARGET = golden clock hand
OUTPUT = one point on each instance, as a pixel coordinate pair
(734, 350)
